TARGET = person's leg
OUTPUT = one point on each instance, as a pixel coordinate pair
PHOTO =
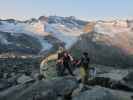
(63, 67)
(69, 69)
(86, 76)
(82, 74)
(59, 69)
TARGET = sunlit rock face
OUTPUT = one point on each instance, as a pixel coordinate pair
(115, 33)
(110, 42)
(39, 28)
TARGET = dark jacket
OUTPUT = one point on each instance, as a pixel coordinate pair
(85, 60)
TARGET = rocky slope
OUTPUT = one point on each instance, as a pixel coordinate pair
(108, 42)
(109, 83)
(19, 42)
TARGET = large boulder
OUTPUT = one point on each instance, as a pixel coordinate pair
(47, 95)
(113, 79)
(4, 85)
(100, 93)
(129, 79)
(44, 89)
(64, 86)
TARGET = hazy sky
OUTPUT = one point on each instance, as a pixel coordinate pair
(86, 9)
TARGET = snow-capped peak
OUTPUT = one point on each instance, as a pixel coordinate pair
(112, 27)
(65, 29)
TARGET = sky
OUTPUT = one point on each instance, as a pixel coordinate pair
(83, 9)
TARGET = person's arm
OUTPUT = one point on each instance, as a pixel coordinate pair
(43, 65)
(71, 58)
(79, 61)
(88, 59)
(52, 57)
(49, 58)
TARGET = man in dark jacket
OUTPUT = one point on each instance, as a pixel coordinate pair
(67, 58)
(84, 68)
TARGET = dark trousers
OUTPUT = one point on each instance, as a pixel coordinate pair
(59, 68)
(67, 66)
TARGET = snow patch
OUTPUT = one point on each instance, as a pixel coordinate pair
(34, 29)
(45, 44)
(3, 40)
(68, 32)
(111, 28)
(66, 35)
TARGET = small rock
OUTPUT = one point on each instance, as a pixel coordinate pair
(4, 85)
(24, 79)
(46, 95)
(129, 78)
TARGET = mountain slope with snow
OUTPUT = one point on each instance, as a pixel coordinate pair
(64, 29)
(18, 43)
(108, 42)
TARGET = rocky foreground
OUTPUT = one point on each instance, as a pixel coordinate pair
(19, 82)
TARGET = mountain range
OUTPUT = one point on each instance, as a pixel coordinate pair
(108, 42)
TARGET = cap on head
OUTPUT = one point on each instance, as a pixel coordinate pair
(61, 49)
(85, 53)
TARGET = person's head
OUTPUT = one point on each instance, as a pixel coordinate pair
(61, 49)
(66, 53)
(85, 54)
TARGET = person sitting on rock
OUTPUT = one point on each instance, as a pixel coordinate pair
(43, 69)
(67, 58)
(52, 57)
(84, 68)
